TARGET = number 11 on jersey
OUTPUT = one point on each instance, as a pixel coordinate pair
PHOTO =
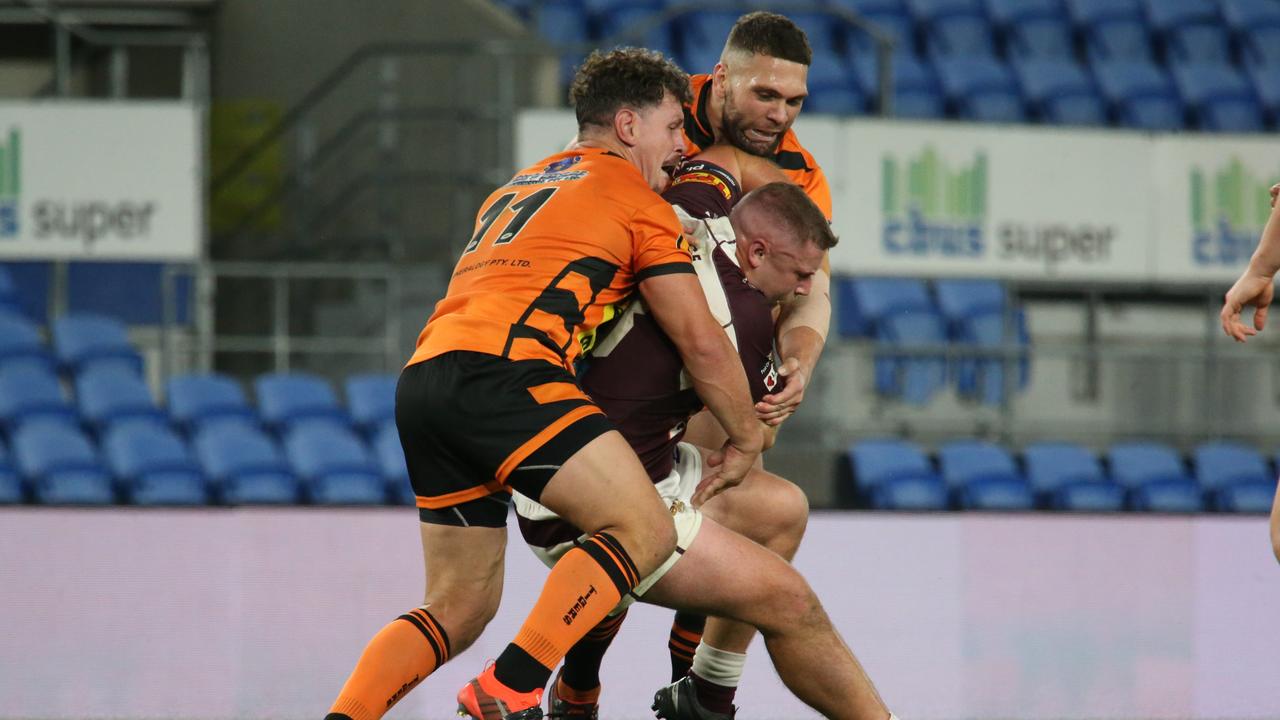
(523, 209)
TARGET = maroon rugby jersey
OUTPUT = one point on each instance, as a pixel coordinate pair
(635, 373)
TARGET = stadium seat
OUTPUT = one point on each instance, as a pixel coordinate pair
(1141, 95)
(390, 456)
(874, 298)
(29, 393)
(20, 342)
(82, 341)
(916, 93)
(287, 400)
(849, 321)
(563, 24)
(706, 29)
(890, 16)
(1256, 26)
(1219, 96)
(197, 401)
(982, 476)
(700, 58)
(1104, 496)
(910, 494)
(962, 298)
(874, 464)
(1112, 29)
(335, 466)
(1033, 28)
(1154, 477)
(153, 466)
(819, 28)
(1190, 30)
(131, 292)
(244, 466)
(832, 87)
(60, 465)
(954, 28)
(110, 395)
(11, 490)
(983, 378)
(616, 17)
(8, 292)
(1052, 465)
(1254, 497)
(1060, 92)
(371, 399)
(981, 88)
(1222, 466)
(31, 282)
(913, 378)
(1266, 86)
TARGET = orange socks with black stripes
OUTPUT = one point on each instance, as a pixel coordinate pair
(399, 657)
(584, 586)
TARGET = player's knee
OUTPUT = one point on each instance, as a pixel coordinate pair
(792, 508)
(792, 603)
(463, 614)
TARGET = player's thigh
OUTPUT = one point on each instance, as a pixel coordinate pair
(723, 573)
(762, 508)
(603, 486)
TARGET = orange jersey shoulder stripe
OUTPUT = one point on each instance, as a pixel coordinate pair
(796, 162)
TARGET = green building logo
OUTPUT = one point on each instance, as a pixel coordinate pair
(10, 183)
(930, 208)
(1229, 208)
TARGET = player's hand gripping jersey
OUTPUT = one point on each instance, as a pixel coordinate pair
(550, 255)
(795, 161)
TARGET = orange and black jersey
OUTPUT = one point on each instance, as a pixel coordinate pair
(795, 161)
(553, 251)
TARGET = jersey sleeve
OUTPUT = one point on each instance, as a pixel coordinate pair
(819, 190)
(658, 243)
(703, 189)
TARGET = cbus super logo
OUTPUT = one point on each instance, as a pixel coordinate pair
(1229, 207)
(932, 209)
(10, 183)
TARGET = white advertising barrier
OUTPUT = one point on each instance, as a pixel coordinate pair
(934, 199)
(100, 181)
(223, 613)
(1213, 201)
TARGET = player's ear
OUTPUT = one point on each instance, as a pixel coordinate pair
(719, 76)
(625, 124)
(756, 253)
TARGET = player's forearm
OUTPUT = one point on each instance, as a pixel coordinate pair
(1266, 259)
(1275, 525)
(721, 383)
(803, 325)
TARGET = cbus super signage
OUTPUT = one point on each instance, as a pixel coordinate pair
(97, 181)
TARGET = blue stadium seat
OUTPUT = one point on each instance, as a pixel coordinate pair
(60, 465)
(20, 342)
(819, 28)
(1266, 85)
(371, 400)
(982, 476)
(111, 395)
(832, 87)
(849, 320)
(962, 298)
(197, 401)
(913, 378)
(981, 88)
(287, 400)
(695, 58)
(1104, 496)
(131, 292)
(153, 466)
(1113, 29)
(954, 28)
(877, 463)
(1256, 26)
(29, 393)
(1219, 96)
(1155, 477)
(1060, 92)
(564, 24)
(916, 93)
(1253, 497)
(1033, 28)
(11, 489)
(81, 341)
(874, 298)
(1191, 30)
(245, 466)
(706, 29)
(910, 494)
(983, 378)
(891, 16)
(615, 17)
(390, 456)
(335, 466)
(1141, 95)
(1220, 465)
(8, 292)
(1052, 465)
